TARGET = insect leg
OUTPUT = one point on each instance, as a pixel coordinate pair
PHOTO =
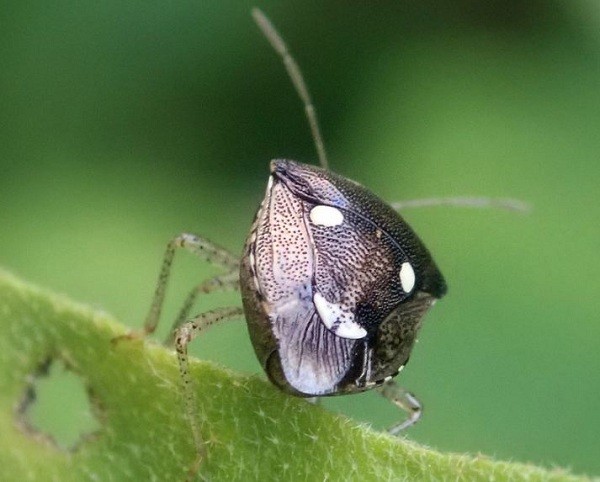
(197, 245)
(183, 336)
(226, 282)
(405, 401)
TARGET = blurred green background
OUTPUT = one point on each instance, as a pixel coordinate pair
(123, 123)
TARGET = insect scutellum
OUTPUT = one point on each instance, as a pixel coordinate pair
(334, 282)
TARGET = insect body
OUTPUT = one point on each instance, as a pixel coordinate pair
(334, 284)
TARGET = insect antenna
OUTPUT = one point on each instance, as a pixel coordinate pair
(295, 74)
(508, 204)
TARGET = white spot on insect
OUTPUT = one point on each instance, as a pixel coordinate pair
(407, 277)
(326, 216)
(269, 184)
(338, 320)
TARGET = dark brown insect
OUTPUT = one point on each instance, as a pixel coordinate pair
(334, 282)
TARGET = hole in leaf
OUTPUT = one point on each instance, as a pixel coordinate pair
(58, 407)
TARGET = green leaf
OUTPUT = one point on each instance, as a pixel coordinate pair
(253, 431)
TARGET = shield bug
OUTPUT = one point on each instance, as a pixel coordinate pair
(334, 282)
(334, 285)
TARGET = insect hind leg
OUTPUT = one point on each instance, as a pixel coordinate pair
(405, 401)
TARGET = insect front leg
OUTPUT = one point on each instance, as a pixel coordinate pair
(202, 248)
(405, 401)
(183, 336)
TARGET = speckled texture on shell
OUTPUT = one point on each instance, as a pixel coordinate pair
(354, 265)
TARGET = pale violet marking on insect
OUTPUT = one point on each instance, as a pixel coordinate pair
(407, 277)
(253, 235)
(326, 216)
(269, 184)
(338, 320)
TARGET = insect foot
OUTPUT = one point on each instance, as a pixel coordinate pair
(405, 401)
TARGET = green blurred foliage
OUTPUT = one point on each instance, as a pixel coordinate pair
(124, 123)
